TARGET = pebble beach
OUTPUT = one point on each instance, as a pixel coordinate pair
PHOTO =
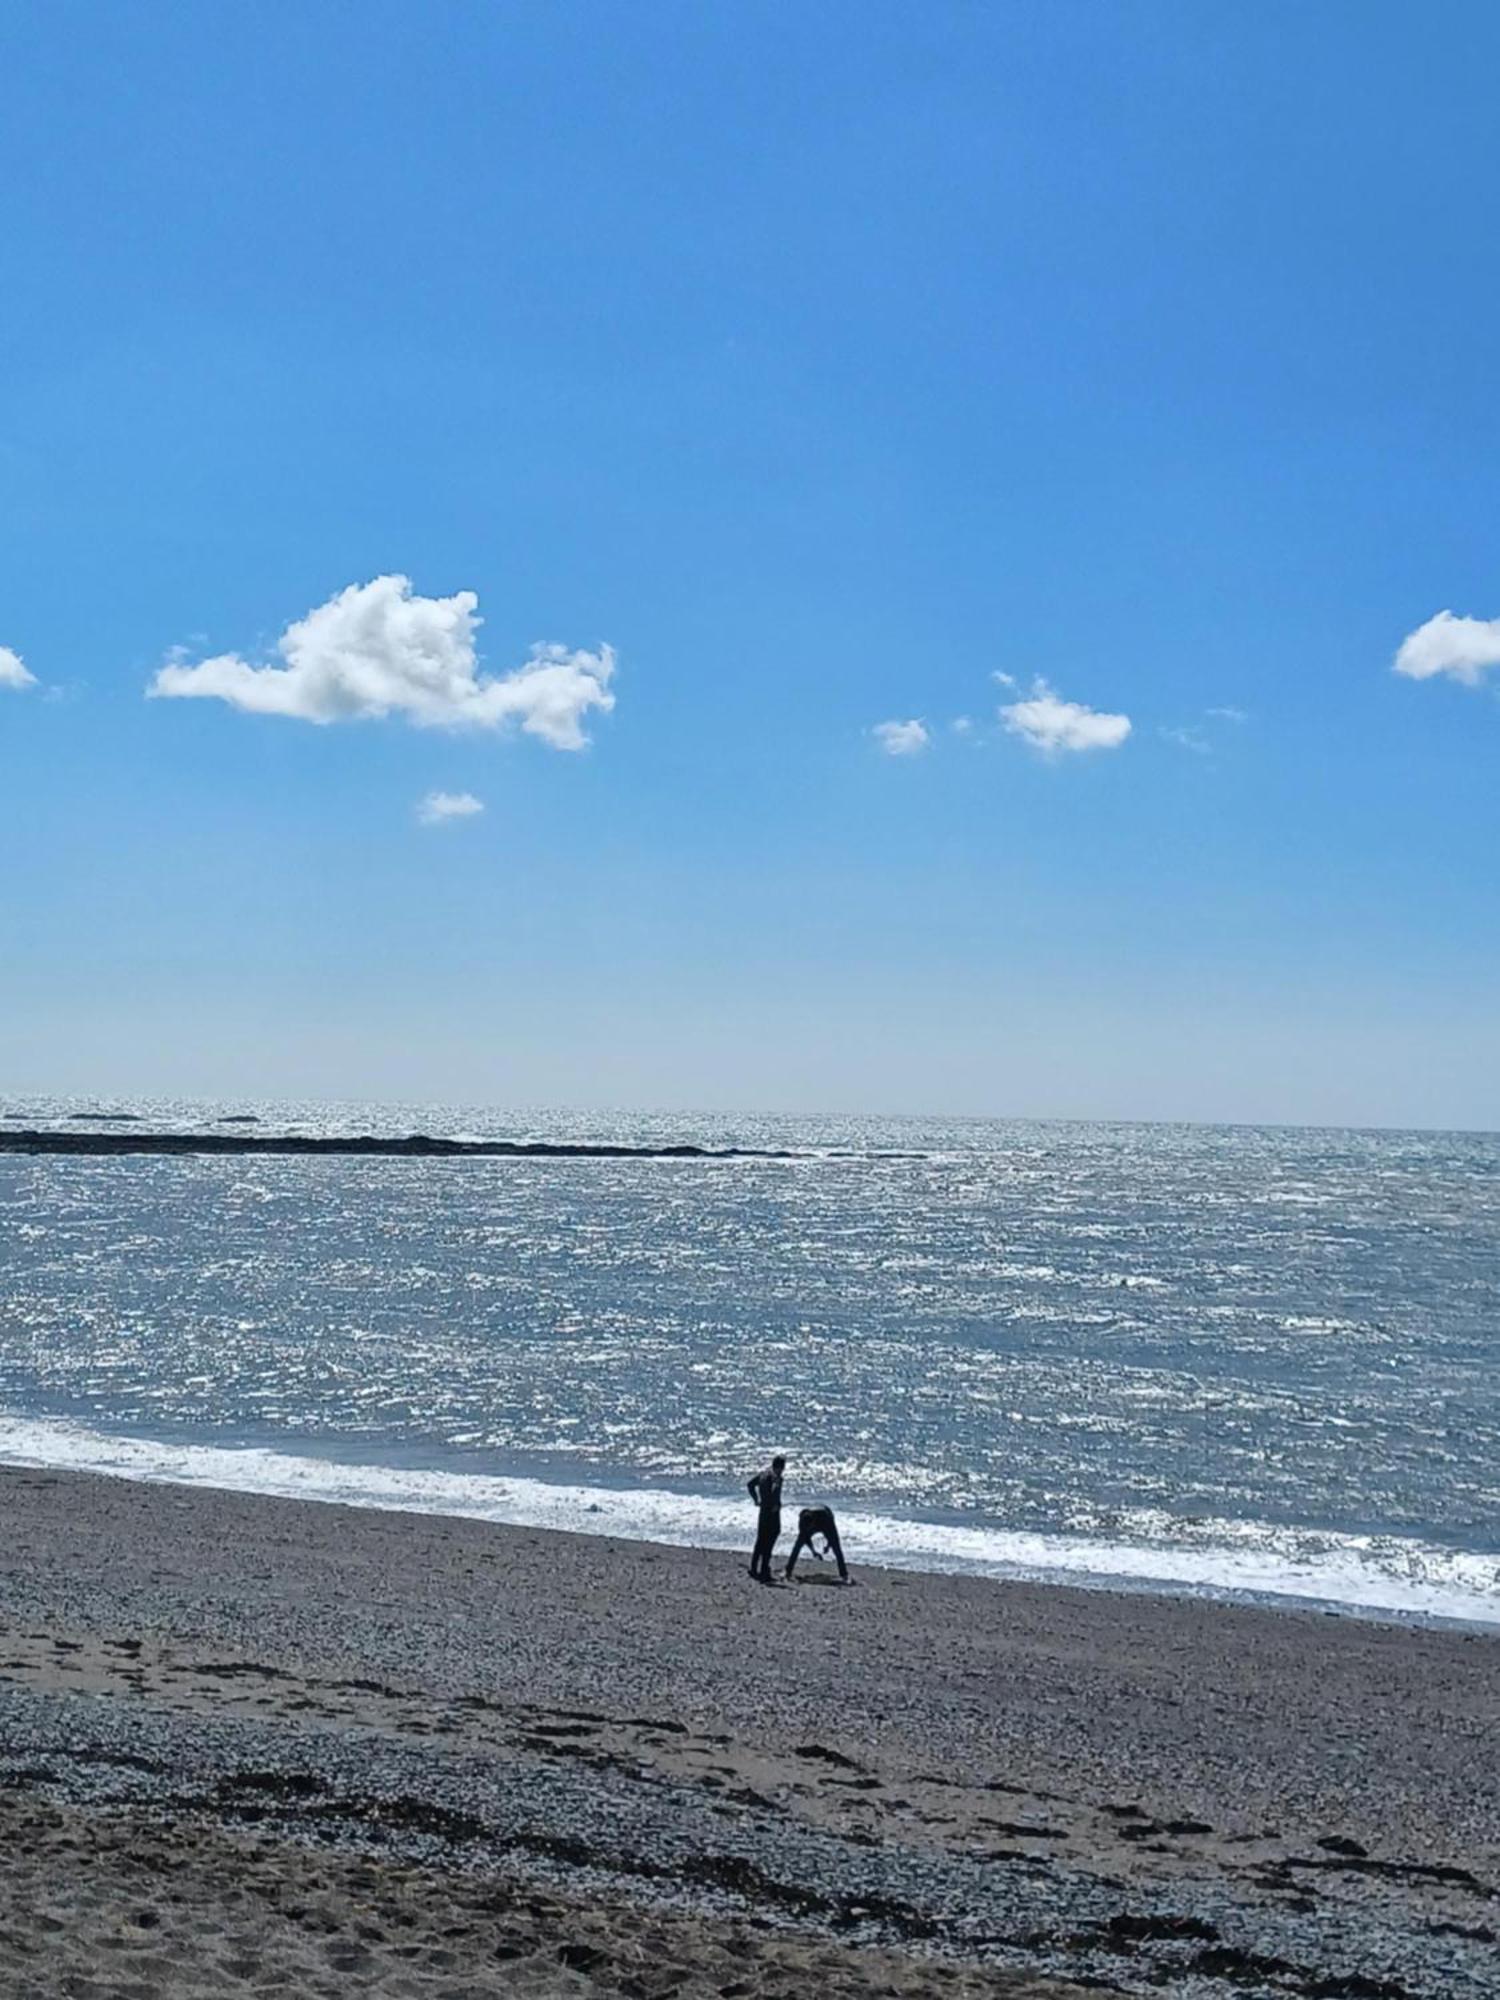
(251, 1745)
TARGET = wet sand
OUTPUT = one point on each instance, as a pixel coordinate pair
(263, 1746)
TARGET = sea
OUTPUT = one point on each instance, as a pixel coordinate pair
(1235, 1362)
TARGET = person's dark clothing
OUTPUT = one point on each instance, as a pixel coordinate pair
(818, 1521)
(767, 1535)
(765, 1491)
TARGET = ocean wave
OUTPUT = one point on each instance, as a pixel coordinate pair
(1377, 1575)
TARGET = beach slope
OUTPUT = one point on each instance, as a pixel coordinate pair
(251, 1745)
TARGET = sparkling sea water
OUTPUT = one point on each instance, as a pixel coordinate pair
(1239, 1360)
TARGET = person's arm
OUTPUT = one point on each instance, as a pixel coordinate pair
(753, 1487)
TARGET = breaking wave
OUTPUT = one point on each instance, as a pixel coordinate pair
(1377, 1575)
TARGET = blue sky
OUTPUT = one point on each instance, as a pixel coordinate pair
(825, 364)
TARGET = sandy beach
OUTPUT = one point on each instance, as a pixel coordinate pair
(261, 1746)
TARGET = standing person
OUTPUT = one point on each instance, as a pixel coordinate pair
(818, 1521)
(765, 1491)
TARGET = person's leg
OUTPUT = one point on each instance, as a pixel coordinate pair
(766, 1529)
(838, 1553)
(773, 1536)
(798, 1546)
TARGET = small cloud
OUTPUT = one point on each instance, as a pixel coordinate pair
(1193, 736)
(13, 672)
(1464, 648)
(377, 649)
(962, 726)
(440, 807)
(902, 739)
(1005, 680)
(1052, 725)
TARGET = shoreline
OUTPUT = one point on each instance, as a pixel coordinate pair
(1024, 1783)
(1442, 1588)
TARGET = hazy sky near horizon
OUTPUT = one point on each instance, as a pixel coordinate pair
(908, 519)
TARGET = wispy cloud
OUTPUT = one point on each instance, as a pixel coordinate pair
(438, 808)
(1463, 648)
(13, 673)
(902, 739)
(1052, 725)
(378, 649)
(1202, 737)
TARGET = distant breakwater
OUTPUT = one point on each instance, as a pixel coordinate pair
(416, 1146)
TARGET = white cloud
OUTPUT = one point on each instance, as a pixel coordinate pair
(1005, 680)
(1051, 725)
(1462, 647)
(376, 649)
(962, 725)
(1198, 738)
(13, 672)
(439, 807)
(901, 739)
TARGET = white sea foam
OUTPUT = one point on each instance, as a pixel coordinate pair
(1379, 1575)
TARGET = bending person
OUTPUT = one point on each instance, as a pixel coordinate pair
(765, 1491)
(818, 1521)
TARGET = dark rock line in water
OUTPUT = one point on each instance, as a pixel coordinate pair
(417, 1145)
